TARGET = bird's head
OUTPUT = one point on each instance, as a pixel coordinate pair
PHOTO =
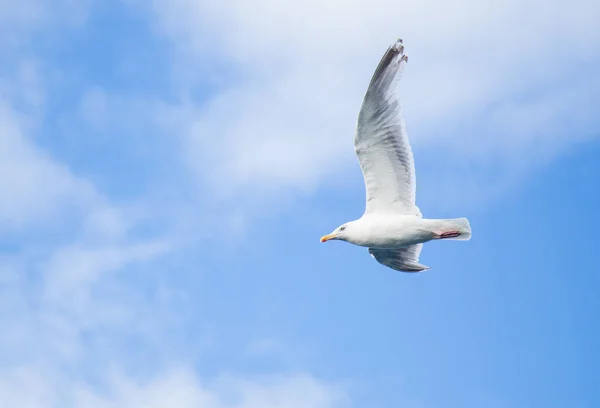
(340, 232)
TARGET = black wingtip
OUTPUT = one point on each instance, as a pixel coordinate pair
(388, 58)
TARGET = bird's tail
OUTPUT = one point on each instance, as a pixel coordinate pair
(456, 228)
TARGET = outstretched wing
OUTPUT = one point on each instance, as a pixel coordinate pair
(400, 259)
(381, 143)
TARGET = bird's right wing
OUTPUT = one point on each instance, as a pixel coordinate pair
(401, 259)
(381, 143)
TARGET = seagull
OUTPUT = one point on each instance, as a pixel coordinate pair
(392, 226)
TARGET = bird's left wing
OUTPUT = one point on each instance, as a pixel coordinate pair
(381, 143)
(400, 259)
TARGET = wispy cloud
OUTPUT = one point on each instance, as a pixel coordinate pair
(75, 308)
(94, 315)
(181, 388)
(34, 188)
(297, 73)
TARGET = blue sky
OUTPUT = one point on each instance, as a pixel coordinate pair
(167, 168)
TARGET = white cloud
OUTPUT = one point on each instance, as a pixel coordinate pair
(285, 108)
(71, 272)
(33, 187)
(75, 309)
(92, 317)
(38, 191)
(78, 319)
(181, 388)
(184, 389)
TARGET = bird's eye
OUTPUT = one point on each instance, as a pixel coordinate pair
(342, 228)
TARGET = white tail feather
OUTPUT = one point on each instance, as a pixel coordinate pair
(461, 225)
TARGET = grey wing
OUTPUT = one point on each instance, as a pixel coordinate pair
(400, 259)
(381, 143)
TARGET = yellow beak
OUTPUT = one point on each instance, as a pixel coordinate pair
(327, 237)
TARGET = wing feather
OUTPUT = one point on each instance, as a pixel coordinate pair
(381, 143)
(400, 259)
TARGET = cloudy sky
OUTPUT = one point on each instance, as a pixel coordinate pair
(168, 166)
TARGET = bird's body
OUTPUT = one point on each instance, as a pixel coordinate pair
(396, 231)
(392, 226)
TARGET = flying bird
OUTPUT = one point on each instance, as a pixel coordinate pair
(392, 226)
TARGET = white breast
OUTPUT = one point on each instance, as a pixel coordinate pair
(389, 232)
